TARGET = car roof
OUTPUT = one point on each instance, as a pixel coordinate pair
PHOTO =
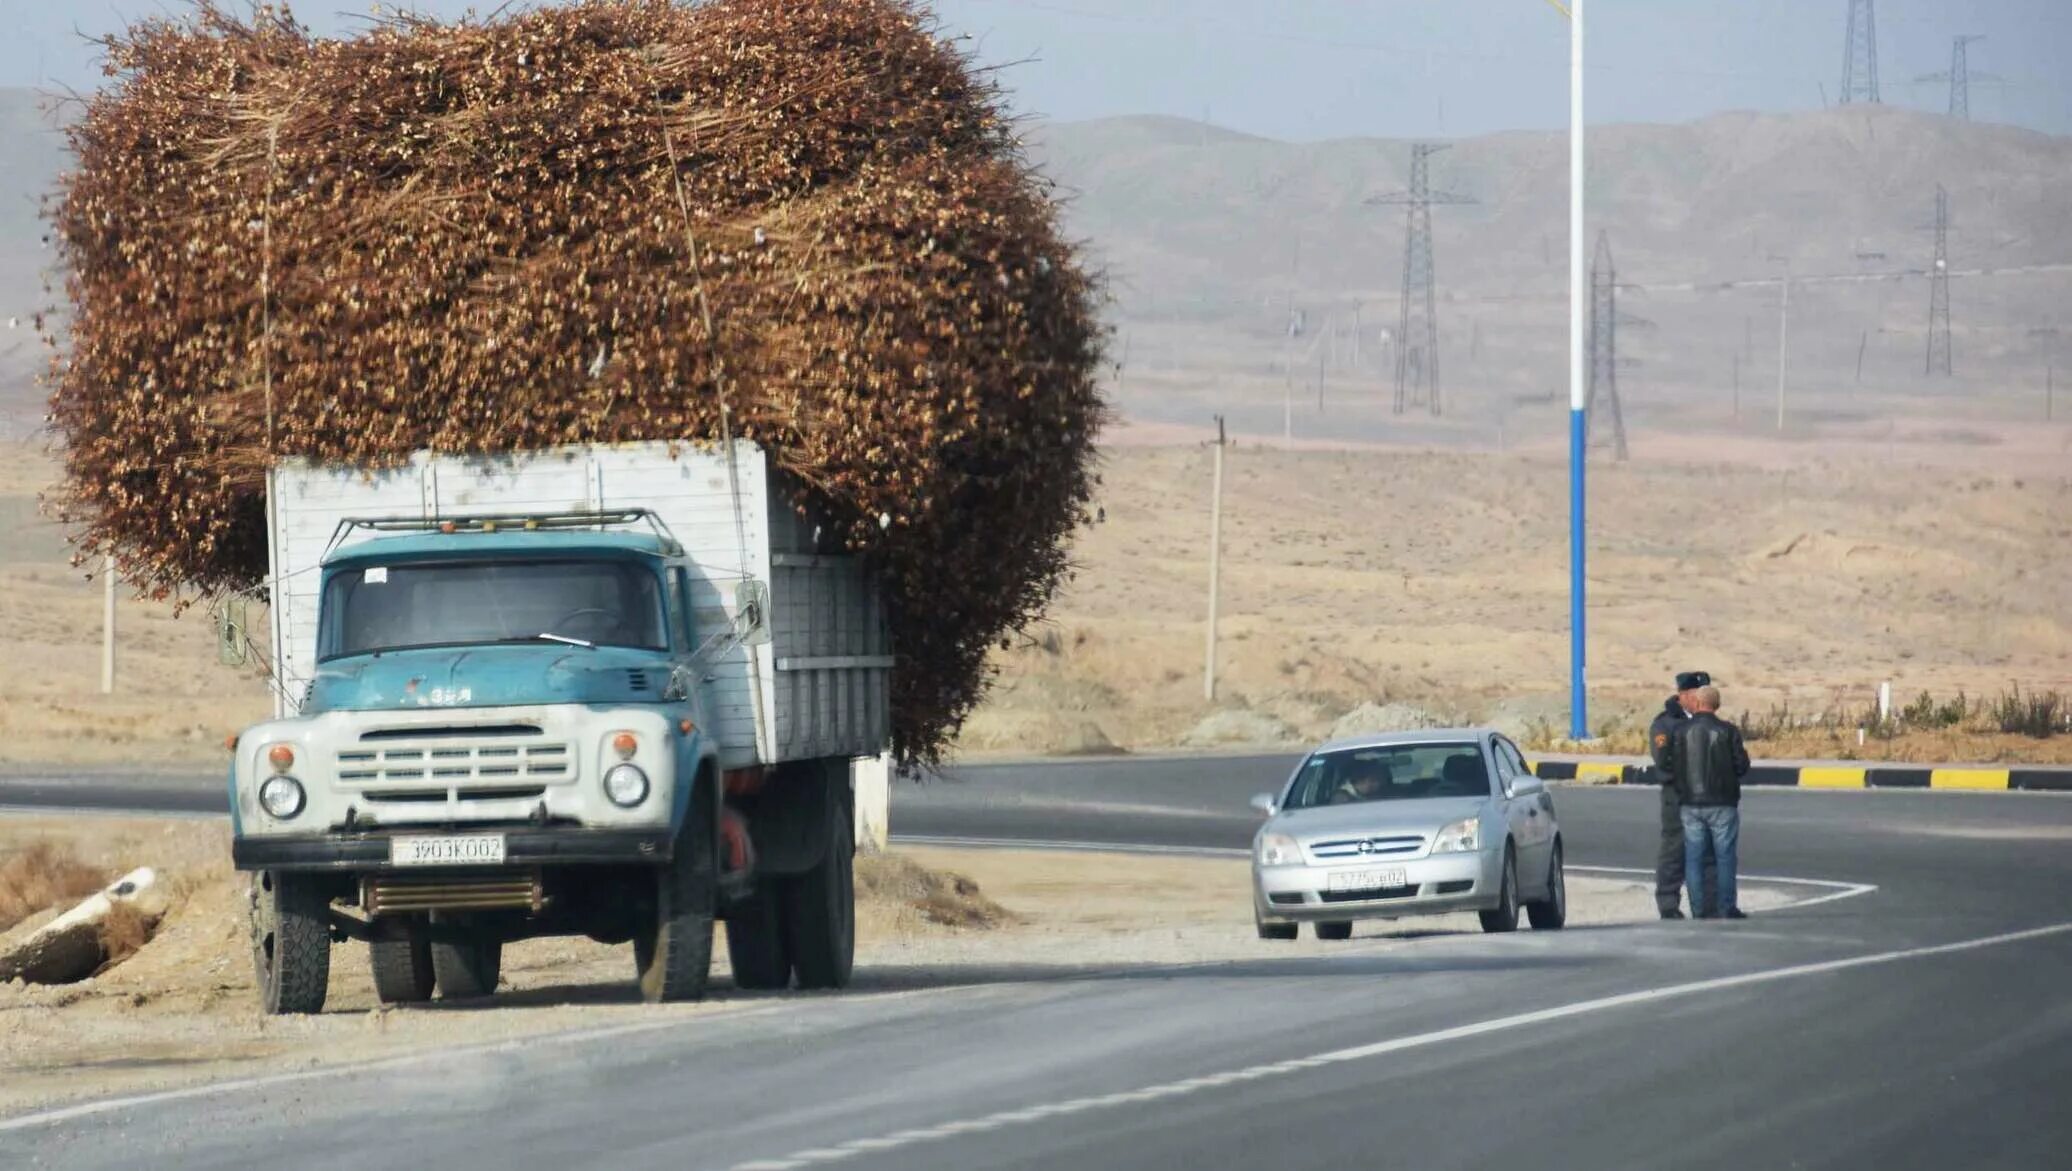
(469, 545)
(1399, 739)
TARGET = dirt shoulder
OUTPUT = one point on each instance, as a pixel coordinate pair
(182, 1010)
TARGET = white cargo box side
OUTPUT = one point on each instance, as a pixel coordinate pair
(817, 688)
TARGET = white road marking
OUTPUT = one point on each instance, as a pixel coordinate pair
(994, 1121)
(1836, 890)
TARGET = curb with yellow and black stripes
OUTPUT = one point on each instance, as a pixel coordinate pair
(1830, 776)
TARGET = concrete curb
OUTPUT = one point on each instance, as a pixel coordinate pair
(1830, 776)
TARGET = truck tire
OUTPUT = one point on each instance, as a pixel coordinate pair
(673, 954)
(1339, 930)
(467, 969)
(756, 945)
(819, 909)
(403, 972)
(291, 941)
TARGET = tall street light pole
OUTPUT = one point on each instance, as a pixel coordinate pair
(1578, 702)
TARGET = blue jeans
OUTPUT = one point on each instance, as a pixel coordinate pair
(1721, 826)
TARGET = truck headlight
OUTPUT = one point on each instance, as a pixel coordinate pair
(626, 785)
(1462, 837)
(1279, 850)
(282, 797)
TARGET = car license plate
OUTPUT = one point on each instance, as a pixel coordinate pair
(1357, 880)
(464, 850)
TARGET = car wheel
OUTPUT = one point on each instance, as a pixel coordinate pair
(1505, 916)
(1551, 913)
(1335, 930)
(1267, 930)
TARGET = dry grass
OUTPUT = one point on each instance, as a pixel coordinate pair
(43, 875)
(940, 897)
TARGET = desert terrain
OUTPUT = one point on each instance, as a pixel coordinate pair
(1364, 586)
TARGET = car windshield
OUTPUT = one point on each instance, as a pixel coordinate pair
(397, 607)
(1395, 772)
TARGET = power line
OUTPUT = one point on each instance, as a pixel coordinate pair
(1860, 53)
(1417, 341)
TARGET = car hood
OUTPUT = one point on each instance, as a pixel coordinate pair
(488, 676)
(1414, 816)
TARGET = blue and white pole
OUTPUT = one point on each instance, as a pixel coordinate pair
(1578, 699)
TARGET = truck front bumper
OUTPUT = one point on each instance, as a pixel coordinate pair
(522, 847)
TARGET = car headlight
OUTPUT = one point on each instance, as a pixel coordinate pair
(282, 797)
(1279, 850)
(626, 785)
(1461, 837)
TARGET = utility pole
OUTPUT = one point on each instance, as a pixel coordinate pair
(1604, 349)
(1208, 683)
(1860, 54)
(1737, 386)
(1417, 340)
(1783, 335)
(1939, 289)
(108, 625)
(1959, 76)
(1862, 344)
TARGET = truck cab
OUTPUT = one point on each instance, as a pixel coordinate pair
(512, 725)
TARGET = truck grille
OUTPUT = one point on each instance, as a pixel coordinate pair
(402, 894)
(486, 762)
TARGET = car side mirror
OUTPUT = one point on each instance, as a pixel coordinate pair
(1265, 804)
(1526, 786)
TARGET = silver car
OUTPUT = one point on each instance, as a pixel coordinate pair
(1410, 823)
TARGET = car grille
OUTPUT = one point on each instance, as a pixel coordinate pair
(1367, 896)
(485, 762)
(1378, 846)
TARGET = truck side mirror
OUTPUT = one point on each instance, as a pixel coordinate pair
(232, 633)
(752, 612)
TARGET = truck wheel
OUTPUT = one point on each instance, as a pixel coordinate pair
(403, 972)
(291, 941)
(819, 909)
(469, 968)
(1335, 930)
(673, 954)
(756, 946)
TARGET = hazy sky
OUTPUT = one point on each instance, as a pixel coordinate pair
(1310, 69)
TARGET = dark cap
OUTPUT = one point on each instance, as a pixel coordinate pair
(1687, 680)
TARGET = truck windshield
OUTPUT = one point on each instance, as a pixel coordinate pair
(1390, 773)
(397, 607)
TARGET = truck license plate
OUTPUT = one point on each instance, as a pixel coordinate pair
(1370, 879)
(464, 850)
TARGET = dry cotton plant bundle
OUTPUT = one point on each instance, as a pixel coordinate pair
(802, 222)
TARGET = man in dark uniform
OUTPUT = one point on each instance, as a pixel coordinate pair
(1669, 854)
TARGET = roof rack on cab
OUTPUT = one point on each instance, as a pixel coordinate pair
(531, 522)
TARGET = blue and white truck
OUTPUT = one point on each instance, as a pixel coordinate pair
(611, 691)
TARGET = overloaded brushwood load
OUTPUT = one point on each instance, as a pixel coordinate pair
(803, 222)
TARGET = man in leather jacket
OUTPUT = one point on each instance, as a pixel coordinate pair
(1669, 852)
(1707, 760)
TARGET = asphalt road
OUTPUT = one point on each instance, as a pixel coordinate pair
(1923, 1024)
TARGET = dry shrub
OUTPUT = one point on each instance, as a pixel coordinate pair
(802, 222)
(124, 933)
(42, 876)
(941, 897)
